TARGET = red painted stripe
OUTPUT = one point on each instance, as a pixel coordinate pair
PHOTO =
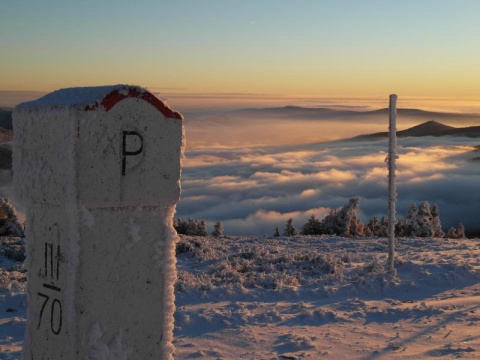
(118, 95)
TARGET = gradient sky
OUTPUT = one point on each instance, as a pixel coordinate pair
(305, 48)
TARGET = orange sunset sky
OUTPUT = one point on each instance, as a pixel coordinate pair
(246, 50)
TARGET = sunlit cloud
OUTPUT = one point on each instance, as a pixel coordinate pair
(269, 220)
(376, 173)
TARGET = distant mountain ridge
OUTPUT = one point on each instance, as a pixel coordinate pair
(321, 112)
(429, 128)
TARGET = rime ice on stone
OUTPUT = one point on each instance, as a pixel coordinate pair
(99, 171)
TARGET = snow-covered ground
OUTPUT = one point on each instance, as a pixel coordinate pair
(307, 298)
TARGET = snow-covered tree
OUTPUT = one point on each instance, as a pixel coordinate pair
(461, 232)
(289, 228)
(383, 227)
(368, 232)
(372, 227)
(436, 223)
(410, 220)
(400, 227)
(348, 217)
(359, 230)
(423, 222)
(217, 229)
(201, 228)
(9, 225)
(277, 232)
(312, 227)
(344, 222)
(451, 233)
(331, 223)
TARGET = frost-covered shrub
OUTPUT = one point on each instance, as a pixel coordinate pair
(374, 275)
(13, 248)
(186, 246)
(191, 227)
(201, 249)
(227, 264)
(187, 281)
(325, 265)
(14, 277)
(373, 266)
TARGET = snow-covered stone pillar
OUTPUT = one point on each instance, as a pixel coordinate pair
(99, 172)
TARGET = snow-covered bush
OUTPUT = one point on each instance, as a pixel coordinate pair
(191, 227)
(247, 264)
(14, 277)
(12, 248)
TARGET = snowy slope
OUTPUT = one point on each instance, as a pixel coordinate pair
(307, 298)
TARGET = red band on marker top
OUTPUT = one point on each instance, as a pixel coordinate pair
(110, 100)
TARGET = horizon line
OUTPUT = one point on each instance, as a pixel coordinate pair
(241, 100)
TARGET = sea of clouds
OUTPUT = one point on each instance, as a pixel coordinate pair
(253, 172)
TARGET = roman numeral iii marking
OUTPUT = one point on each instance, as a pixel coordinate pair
(51, 274)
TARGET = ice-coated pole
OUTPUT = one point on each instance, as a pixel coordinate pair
(392, 191)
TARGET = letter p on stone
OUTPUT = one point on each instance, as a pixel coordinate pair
(126, 152)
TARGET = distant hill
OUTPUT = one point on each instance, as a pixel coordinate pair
(292, 112)
(6, 136)
(429, 128)
(6, 119)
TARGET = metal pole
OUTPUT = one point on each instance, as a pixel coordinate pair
(392, 193)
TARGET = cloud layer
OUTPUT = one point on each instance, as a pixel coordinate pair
(253, 189)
